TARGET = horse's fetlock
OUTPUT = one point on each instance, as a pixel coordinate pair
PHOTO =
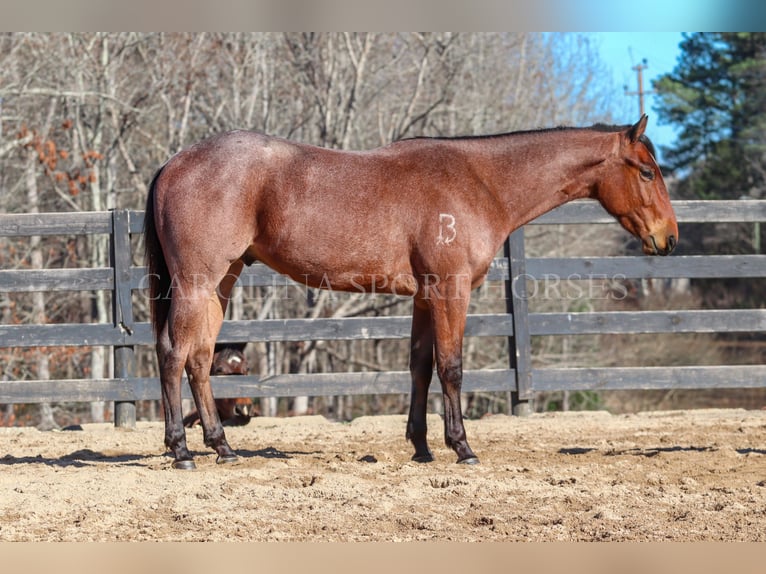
(214, 438)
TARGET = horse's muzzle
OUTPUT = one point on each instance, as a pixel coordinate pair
(662, 246)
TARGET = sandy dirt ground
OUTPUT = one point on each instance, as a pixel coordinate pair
(676, 475)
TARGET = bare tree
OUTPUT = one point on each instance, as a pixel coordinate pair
(89, 117)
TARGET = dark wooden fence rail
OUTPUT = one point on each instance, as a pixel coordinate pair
(123, 334)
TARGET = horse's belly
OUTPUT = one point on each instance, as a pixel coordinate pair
(403, 284)
(332, 263)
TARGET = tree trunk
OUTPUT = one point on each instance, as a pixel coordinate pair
(38, 298)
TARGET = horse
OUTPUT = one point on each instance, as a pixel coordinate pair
(420, 217)
(228, 359)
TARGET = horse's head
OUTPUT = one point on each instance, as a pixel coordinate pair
(228, 360)
(634, 192)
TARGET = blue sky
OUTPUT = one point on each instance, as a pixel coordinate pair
(621, 51)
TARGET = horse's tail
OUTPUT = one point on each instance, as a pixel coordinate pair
(159, 275)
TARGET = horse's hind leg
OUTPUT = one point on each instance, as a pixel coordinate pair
(198, 365)
(187, 341)
(171, 362)
(200, 360)
(421, 369)
(173, 347)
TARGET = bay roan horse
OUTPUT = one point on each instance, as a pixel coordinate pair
(228, 359)
(422, 217)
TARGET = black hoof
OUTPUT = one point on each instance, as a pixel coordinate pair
(423, 457)
(469, 460)
(184, 465)
(228, 459)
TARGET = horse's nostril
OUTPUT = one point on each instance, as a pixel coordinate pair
(671, 242)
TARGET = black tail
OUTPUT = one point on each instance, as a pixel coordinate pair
(159, 276)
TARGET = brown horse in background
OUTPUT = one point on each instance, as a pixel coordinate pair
(228, 359)
(422, 217)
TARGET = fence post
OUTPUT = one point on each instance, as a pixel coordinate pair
(122, 312)
(519, 345)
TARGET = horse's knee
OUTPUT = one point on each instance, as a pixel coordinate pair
(451, 370)
(421, 370)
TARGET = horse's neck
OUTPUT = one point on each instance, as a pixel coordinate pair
(535, 173)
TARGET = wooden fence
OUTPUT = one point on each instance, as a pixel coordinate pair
(519, 325)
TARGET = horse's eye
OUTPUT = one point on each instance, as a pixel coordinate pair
(647, 174)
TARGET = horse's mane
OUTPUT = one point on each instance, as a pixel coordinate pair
(599, 127)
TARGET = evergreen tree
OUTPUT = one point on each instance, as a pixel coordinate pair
(716, 95)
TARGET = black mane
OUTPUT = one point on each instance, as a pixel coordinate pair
(599, 127)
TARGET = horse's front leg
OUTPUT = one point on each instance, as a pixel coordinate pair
(421, 370)
(449, 307)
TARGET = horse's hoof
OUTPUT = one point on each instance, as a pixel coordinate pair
(469, 460)
(228, 459)
(184, 465)
(423, 457)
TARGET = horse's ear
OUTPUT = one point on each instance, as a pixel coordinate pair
(637, 130)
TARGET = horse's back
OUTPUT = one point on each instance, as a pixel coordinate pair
(351, 220)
